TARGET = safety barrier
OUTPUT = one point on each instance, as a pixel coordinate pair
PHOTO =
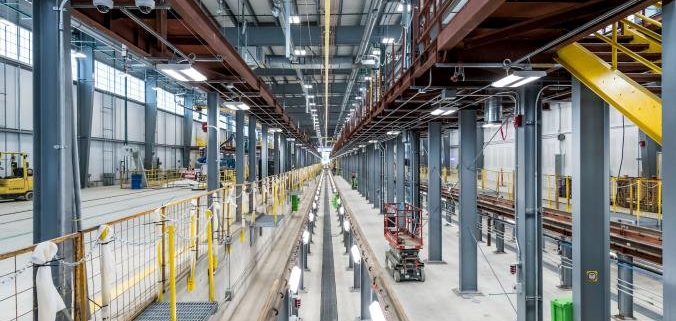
(115, 270)
(150, 178)
(636, 196)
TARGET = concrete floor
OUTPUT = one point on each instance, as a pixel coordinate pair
(434, 299)
(99, 205)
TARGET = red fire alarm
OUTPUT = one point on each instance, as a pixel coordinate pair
(296, 303)
(641, 143)
(518, 121)
(205, 126)
(512, 269)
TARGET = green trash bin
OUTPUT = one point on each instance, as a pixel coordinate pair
(295, 202)
(562, 309)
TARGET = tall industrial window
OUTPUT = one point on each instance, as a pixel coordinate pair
(110, 79)
(9, 43)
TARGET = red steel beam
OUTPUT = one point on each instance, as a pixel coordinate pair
(469, 17)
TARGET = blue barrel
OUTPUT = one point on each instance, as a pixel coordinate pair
(136, 181)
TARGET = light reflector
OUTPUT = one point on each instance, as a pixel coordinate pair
(294, 280)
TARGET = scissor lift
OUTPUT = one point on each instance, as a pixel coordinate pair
(403, 231)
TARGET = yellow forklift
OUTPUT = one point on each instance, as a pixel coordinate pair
(16, 179)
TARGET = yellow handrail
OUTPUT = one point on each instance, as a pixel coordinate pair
(630, 53)
(644, 30)
(649, 20)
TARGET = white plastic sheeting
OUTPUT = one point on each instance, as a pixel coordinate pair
(49, 299)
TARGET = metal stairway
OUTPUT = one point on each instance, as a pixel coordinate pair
(622, 64)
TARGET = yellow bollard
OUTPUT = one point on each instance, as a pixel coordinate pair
(613, 190)
(171, 229)
(160, 265)
(638, 201)
(190, 282)
(568, 193)
(211, 258)
(659, 201)
(483, 179)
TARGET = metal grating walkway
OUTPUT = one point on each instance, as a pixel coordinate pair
(185, 311)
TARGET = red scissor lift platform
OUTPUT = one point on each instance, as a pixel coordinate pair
(403, 231)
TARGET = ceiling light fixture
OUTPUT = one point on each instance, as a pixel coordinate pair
(443, 111)
(387, 40)
(236, 105)
(299, 52)
(308, 86)
(181, 72)
(294, 19)
(519, 78)
(393, 133)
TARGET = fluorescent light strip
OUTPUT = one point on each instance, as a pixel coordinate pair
(524, 81)
(174, 74)
(506, 81)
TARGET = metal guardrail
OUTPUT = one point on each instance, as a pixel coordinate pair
(140, 248)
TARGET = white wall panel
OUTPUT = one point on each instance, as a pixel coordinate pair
(26, 99)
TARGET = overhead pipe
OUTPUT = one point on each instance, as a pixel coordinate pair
(374, 14)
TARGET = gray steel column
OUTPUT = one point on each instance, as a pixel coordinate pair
(669, 152)
(264, 151)
(401, 173)
(479, 163)
(528, 207)
(363, 178)
(356, 275)
(239, 160)
(54, 203)
(648, 154)
(591, 238)
(371, 150)
(390, 177)
(282, 153)
(85, 108)
(213, 146)
(365, 291)
(150, 122)
(252, 160)
(499, 235)
(566, 270)
(434, 191)
(278, 152)
(415, 169)
(468, 210)
(377, 176)
(53, 213)
(625, 286)
(187, 129)
(445, 150)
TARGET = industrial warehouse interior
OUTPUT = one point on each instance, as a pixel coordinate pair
(337, 160)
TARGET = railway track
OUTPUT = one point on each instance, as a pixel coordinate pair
(640, 242)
